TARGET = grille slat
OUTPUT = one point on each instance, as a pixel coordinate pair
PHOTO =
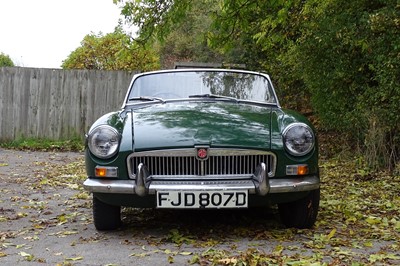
(183, 162)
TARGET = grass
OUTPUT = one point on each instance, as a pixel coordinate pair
(34, 144)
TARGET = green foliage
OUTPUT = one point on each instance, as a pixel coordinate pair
(154, 18)
(188, 41)
(178, 29)
(5, 61)
(349, 58)
(261, 34)
(339, 58)
(114, 51)
(232, 31)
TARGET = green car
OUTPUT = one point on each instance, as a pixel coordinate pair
(201, 139)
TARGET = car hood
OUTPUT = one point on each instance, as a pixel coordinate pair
(215, 124)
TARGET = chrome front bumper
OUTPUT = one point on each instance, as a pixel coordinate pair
(259, 184)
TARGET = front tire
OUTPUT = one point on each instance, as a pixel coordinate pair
(106, 216)
(301, 213)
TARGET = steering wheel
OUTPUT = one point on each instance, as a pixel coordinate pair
(166, 95)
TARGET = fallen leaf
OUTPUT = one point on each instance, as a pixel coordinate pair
(167, 251)
(332, 233)
(278, 250)
(27, 256)
(368, 244)
(185, 253)
(373, 220)
(228, 261)
(74, 259)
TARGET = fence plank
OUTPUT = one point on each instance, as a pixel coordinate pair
(55, 103)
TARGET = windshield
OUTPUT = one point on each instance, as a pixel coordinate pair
(192, 84)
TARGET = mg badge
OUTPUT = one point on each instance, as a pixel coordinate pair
(202, 153)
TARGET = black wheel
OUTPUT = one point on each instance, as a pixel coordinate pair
(301, 213)
(105, 216)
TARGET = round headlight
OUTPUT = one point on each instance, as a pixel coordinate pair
(103, 141)
(298, 139)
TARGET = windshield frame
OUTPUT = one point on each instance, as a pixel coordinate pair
(136, 76)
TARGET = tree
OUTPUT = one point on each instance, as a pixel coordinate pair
(343, 55)
(5, 61)
(154, 18)
(262, 34)
(224, 31)
(113, 51)
(188, 41)
(349, 58)
(179, 29)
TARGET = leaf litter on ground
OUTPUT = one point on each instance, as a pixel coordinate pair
(358, 223)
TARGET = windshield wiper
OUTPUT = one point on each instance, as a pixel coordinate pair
(145, 98)
(213, 96)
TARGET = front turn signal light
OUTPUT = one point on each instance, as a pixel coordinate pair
(106, 171)
(301, 169)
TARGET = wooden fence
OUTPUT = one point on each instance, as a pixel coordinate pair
(56, 104)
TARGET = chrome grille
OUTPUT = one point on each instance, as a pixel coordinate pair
(183, 162)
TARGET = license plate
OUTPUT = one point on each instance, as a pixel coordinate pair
(202, 199)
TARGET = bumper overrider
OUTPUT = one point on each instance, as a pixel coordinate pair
(259, 183)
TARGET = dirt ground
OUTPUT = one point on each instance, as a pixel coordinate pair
(46, 219)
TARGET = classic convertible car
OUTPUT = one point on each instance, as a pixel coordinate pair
(199, 139)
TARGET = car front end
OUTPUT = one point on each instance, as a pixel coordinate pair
(168, 149)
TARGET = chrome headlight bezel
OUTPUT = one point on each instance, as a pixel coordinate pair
(103, 141)
(298, 139)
